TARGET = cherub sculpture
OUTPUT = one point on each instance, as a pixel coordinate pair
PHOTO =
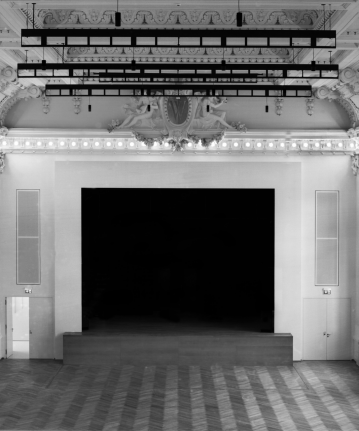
(206, 117)
(144, 110)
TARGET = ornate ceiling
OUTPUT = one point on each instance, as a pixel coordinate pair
(342, 16)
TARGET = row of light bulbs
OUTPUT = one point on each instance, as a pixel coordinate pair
(330, 145)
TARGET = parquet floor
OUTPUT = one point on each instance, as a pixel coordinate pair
(46, 395)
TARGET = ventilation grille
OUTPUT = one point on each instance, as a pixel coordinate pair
(327, 241)
(28, 237)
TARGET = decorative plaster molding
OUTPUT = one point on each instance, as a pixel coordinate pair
(260, 18)
(350, 108)
(310, 105)
(278, 105)
(231, 142)
(355, 164)
(2, 162)
(31, 92)
(77, 104)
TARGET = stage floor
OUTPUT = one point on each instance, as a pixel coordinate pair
(47, 395)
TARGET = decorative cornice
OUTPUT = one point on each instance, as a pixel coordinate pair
(25, 141)
(160, 17)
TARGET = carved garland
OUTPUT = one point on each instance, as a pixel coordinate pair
(306, 18)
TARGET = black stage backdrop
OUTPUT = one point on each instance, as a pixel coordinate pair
(174, 253)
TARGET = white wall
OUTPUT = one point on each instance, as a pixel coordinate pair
(25, 172)
(60, 179)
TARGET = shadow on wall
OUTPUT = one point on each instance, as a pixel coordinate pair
(251, 111)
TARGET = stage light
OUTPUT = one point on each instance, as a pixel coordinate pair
(73, 144)
(329, 144)
(27, 143)
(282, 144)
(340, 144)
(189, 144)
(16, 143)
(4, 143)
(248, 144)
(305, 144)
(235, 144)
(351, 145)
(39, 143)
(259, 144)
(108, 144)
(97, 144)
(85, 144)
(62, 143)
(294, 144)
(224, 144)
(316, 145)
(120, 144)
(239, 19)
(50, 144)
(166, 144)
(117, 19)
(270, 144)
(132, 144)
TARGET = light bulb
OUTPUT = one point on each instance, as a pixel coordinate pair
(120, 144)
(248, 144)
(282, 144)
(235, 144)
(73, 144)
(50, 144)
(270, 144)
(316, 144)
(85, 144)
(294, 144)
(224, 144)
(62, 143)
(97, 144)
(329, 144)
(108, 144)
(39, 144)
(305, 144)
(4, 143)
(340, 144)
(27, 143)
(132, 144)
(259, 144)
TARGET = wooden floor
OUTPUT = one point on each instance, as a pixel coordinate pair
(47, 395)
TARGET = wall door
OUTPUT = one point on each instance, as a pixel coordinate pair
(326, 329)
(314, 329)
(41, 328)
(338, 329)
(9, 327)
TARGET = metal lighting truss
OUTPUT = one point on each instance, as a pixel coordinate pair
(180, 89)
(184, 38)
(165, 72)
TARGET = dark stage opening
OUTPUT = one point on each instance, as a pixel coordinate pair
(178, 257)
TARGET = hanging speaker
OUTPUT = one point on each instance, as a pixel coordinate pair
(313, 66)
(43, 62)
(89, 108)
(223, 64)
(148, 108)
(207, 108)
(239, 19)
(267, 108)
(133, 62)
(117, 19)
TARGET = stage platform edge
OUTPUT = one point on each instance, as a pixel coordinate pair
(111, 349)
